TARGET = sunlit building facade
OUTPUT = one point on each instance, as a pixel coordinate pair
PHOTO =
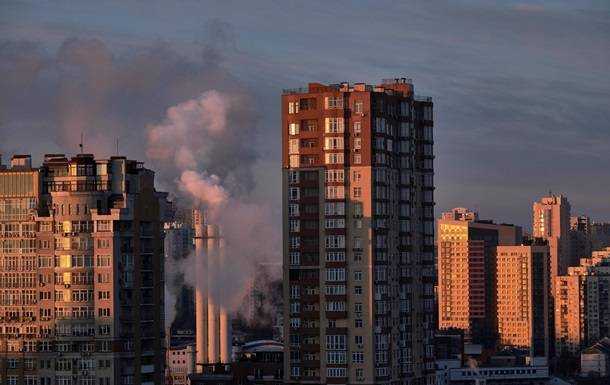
(551, 221)
(523, 297)
(582, 304)
(467, 273)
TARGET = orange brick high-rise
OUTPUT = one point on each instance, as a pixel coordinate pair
(358, 234)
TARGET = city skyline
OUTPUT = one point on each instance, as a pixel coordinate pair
(499, 74)
(220, 192)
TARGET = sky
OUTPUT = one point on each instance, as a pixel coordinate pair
(521, 89)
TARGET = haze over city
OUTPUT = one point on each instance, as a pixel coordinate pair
(520, 88)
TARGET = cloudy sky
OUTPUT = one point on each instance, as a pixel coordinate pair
(521, 89)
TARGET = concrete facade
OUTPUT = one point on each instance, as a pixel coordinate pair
(582, 304)
(81, 272)
(467, 274)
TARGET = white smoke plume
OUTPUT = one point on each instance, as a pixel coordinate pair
(184, 144)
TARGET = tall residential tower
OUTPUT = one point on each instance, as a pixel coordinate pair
(551, 221)
(81, 272)
(358, 234)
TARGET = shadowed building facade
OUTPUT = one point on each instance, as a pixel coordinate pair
(358, 234)
(81, 272)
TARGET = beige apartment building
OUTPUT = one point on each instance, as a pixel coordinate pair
(467, 273)
(81, 272)
(551, 221)
(358, 234)
(582, 304)
(523, 297)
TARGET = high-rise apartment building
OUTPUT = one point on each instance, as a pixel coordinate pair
(467, 273)
(523, 297)
(600, 235)
(582, 304)
(551, 221)
(358, 234)
(81, 272)
(580, 237)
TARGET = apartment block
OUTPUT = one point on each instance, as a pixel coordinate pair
(523, 298)
(581, 243)
(467, 273)
(582, 304)
(358, 234)
(551, 221)
(81, 272)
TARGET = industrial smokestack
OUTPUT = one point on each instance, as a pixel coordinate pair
(214, 300)
(201, 292)
(213, 324)
(226, 337)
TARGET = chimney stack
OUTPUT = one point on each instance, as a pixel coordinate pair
(213, 324)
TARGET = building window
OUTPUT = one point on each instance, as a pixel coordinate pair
(333, 102)
(334, 175)
(293, 107)
(294, 161)
(358, 107)
(293, 128)
(295, 258)
(333, 125)
(335, 192)
(333, 143)
(293, 176)
(293, 146)
(293, 193)
(357, 159)
(335, 241)
(335, 274)
(357, 192)
(294, 225)
(334, 158)
(336, 342)
(357, 127)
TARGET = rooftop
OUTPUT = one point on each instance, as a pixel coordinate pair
(390, 86)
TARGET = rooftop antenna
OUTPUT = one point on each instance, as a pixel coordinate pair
(81, 145)
(117, 146)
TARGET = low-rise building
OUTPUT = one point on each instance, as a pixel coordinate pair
(258, 363)
(180, 362)
(514, 375)
(595, 360)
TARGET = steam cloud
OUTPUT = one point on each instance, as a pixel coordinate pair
(181, 144)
